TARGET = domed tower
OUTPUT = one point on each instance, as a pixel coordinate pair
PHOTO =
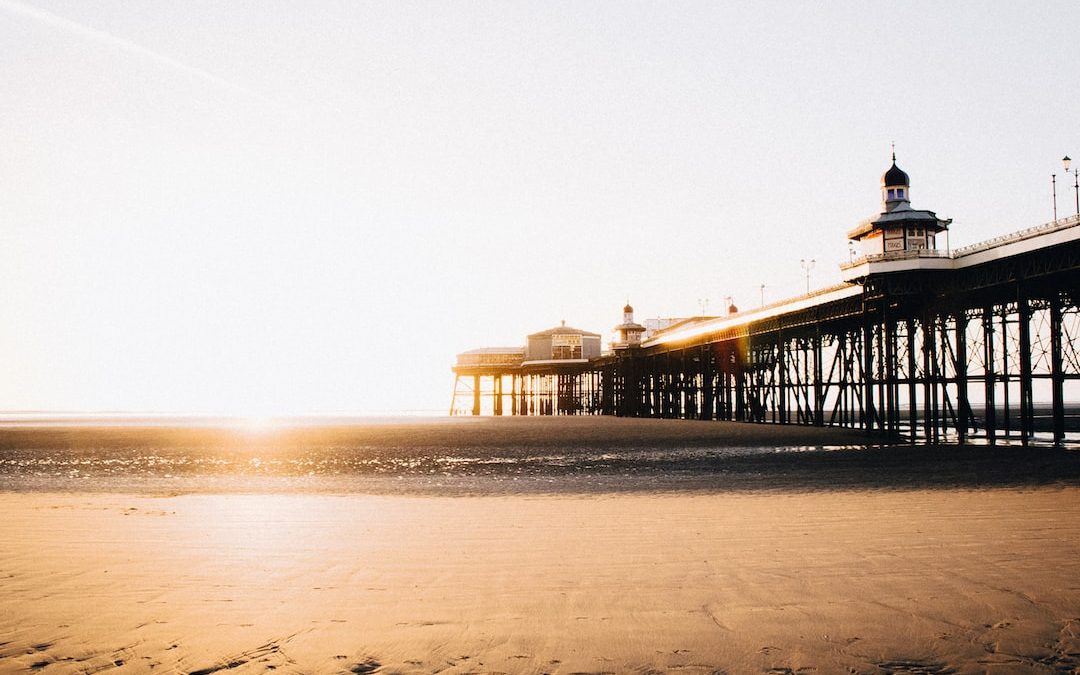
(895, 187)
(899, 231)
(628, 333)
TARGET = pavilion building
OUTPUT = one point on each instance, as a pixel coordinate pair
(899, 230)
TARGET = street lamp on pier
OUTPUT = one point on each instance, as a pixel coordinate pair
(1066, 161)
(807, 265)
(1053, 193)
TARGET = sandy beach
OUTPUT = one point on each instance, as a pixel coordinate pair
(806, 561)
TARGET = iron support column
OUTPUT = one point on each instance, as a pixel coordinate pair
(929, 381)
(1056, 373)
(913, 406)
(706, 355)
(1027, 413)
(962, 405)
(819, 397)
(476, 395)
(989, 375)
(868, 372)
(740, 382)
(892, 415)
(781, 376)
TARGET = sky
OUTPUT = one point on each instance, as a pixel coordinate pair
(265, 208)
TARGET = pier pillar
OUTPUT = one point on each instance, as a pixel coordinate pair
(868, 372)
(1006, 376)
(819, 396)
(913, 406)
(1057, 374)
(989, 375)
(476, 395)
(707, 370)
(1027, 412)
(930, 368)
(962, 406)
(513, 394)
(782, 356)
(740, 384)
(892, 384)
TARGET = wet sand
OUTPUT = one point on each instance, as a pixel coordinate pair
(811, 561)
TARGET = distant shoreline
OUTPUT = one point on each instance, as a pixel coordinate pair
(45, 418)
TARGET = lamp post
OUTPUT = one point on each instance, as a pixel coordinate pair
(1053, 191)
(1067, 162)
(807, 265)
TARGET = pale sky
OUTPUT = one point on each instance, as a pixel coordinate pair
(294, 207)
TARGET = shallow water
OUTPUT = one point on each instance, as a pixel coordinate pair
(479, 456)
(375, 469)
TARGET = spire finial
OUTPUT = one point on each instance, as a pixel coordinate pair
(893, 143)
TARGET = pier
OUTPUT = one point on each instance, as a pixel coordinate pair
(978, 343)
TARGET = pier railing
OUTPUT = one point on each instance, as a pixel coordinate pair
(1045, 228)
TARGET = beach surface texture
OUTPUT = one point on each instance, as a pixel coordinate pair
(562, 545)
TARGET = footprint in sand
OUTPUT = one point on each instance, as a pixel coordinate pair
(364, 667)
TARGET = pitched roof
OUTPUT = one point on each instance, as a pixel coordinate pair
(564, 330)
(901, 215)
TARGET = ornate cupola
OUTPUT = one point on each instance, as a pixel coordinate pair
(895, 187)
(628, 333)
(899, 231)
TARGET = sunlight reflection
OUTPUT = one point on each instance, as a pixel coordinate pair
(256, 425)
(278, 534)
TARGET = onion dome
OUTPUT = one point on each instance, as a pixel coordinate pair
(895, 176)
(628, 309)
